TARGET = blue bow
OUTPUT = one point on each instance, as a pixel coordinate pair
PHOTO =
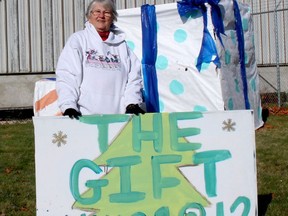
(208, 48)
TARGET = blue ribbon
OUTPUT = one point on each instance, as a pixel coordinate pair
(241, 49)
(149, 56)
(208, 48)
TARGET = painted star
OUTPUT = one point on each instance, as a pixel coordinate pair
(59, 138)
(229, 125)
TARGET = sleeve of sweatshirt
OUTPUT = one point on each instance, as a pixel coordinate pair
(69, 74)
(133, 91)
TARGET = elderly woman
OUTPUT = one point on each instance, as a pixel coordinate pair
(96, 72)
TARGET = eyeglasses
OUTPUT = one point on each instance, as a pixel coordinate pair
(97, 13)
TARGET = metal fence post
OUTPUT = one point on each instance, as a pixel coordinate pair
(277, 52)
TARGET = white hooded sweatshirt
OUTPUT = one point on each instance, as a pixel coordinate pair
(98, 77)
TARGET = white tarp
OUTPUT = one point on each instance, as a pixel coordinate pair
(45, 98)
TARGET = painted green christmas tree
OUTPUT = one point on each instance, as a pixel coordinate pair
(144, 178)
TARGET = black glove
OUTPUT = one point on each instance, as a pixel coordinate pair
(72, 113)
(134, 109)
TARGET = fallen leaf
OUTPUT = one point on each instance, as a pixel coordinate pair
(8, 170)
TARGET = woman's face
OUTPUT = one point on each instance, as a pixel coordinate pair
(101, 17)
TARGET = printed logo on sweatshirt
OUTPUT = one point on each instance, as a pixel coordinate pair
(108, 61)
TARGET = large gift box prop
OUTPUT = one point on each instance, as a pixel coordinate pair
(196, 55)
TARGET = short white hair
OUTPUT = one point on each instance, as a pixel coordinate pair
(109, 3)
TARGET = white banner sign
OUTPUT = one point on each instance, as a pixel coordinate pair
(154, 164)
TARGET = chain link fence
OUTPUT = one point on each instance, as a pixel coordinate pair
(271, 34)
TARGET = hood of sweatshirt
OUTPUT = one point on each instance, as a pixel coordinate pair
(116, 35)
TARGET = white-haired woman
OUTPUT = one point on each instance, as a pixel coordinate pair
(96, 72)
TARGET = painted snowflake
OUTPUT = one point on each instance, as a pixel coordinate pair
(59, 138)
(229, 125)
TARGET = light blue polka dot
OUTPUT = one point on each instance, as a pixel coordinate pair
(230, 104)
(227, 57)
(245, 24)
(233, 37)
(180, 35)
(246, 58)
(253, 84)
(131, 45)
(237, 89)
(161, 105)
(176, 87)
(199, 108)
(161, 63)
(204, 65)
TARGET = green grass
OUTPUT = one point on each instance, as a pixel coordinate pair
(17, 167)
(17, 170)
(272, 163)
